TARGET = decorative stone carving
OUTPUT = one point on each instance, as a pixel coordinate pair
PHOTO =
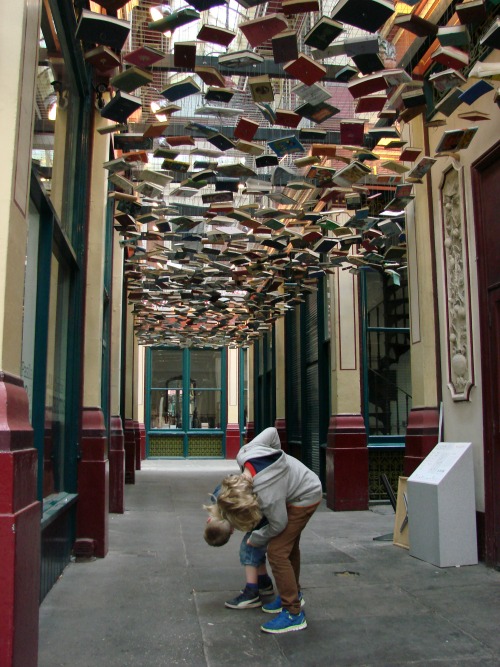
(457, 289)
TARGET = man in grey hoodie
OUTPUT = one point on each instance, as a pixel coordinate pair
(287, 493)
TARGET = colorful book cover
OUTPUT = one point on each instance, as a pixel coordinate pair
(286, 145)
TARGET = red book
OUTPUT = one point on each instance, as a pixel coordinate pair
(216, 35)
(366, 85)
(145, 56)
(371, 103)
(352, 132)
(245, 129)
(450, 56)
(185, 55)
(184, 140)
(259, 30)
(305, 69)
(287, 118)
(291, 7)
(210, 75)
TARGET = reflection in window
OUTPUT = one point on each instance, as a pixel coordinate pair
(186, 390)
(55, 397)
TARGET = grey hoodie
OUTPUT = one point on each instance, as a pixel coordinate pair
(287, 481)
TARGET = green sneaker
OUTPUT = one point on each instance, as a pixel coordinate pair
(285, 622)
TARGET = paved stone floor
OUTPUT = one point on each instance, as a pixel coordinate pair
(157, 599)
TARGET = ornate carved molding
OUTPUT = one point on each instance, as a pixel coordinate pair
(457, 287)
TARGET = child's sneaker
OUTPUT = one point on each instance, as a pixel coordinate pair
(247, 599)
(285, 622)
(267, 590)
(275, 607)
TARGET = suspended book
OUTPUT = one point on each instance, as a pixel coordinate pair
(416, 25)
(420, 169)
(286, 145)
(156, 177)
(102, 58)
(450, 56)
(474, 116)
(393, 165)
(305, 69)
(156, 129)
(210, 75)
(266, 161)
(370, 103)
(367, 63)
(216, 35)
(180, 89)
(238, 59)
(456, 140)
(475, 91)
(121, 182)
(455, 35)
(220, 141)
(366, 85)
(312, 134)
(268, 112)
(185, 55)
(351, 173)
(346, 73)
(144, 56)
(175, 20)
(175, 165)
(450, 102)
(323, 32)
(368, 15)
(245, 129)
(131, 78)
(259, 30)
(249, 147)
(409, 154)
(237, 169)
(109, 129)
(165, 153)
(215, 197)
(352, 132)
(471, 11)
(314, 94)
(180, 140)
(94, 28)
(216, 94)
(261, 88)
(120, 107)
(446, 79)
(131, 141)
(287, 118)
(285, 46)
(317, 113)
(306, 161)
(226, 112)
(291, 7)
(204, 5)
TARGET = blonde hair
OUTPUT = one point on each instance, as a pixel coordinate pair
(217, 532)
(237, 503)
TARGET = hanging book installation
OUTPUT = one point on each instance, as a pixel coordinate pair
(305, 69)
(94, 28)
(216, 35)
(180, 89)
(131, 78)
(259, 30)
(368, 15)
(120, 107)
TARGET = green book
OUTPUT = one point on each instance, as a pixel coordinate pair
(131, 78)
(323, 33)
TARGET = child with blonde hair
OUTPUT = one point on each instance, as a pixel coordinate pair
(258, 583)
(285, 491)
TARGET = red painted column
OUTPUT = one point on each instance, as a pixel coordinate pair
(250, 431)
(116, 466)
(93, 482)
(142, 432)
(280, 425)
(19, 529)
(232, 440)
(347, 463)
(129, 435)
(137, 437)
(422, 434)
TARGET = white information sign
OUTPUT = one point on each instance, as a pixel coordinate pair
(441, 507)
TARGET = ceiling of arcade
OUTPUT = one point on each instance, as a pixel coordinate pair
(257, 147)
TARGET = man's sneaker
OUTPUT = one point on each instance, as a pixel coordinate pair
(275, 607)
(285, 622)
(247, 599)
(267, 590)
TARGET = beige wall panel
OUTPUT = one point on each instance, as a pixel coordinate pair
(232, 386)
(95, 274)
(18, 44)
(463, 419)
(116, 326)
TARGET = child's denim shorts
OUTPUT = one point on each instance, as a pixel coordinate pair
(249, 555)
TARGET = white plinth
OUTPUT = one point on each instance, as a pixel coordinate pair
(442, 508)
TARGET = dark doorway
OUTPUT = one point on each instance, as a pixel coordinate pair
(486, 193)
